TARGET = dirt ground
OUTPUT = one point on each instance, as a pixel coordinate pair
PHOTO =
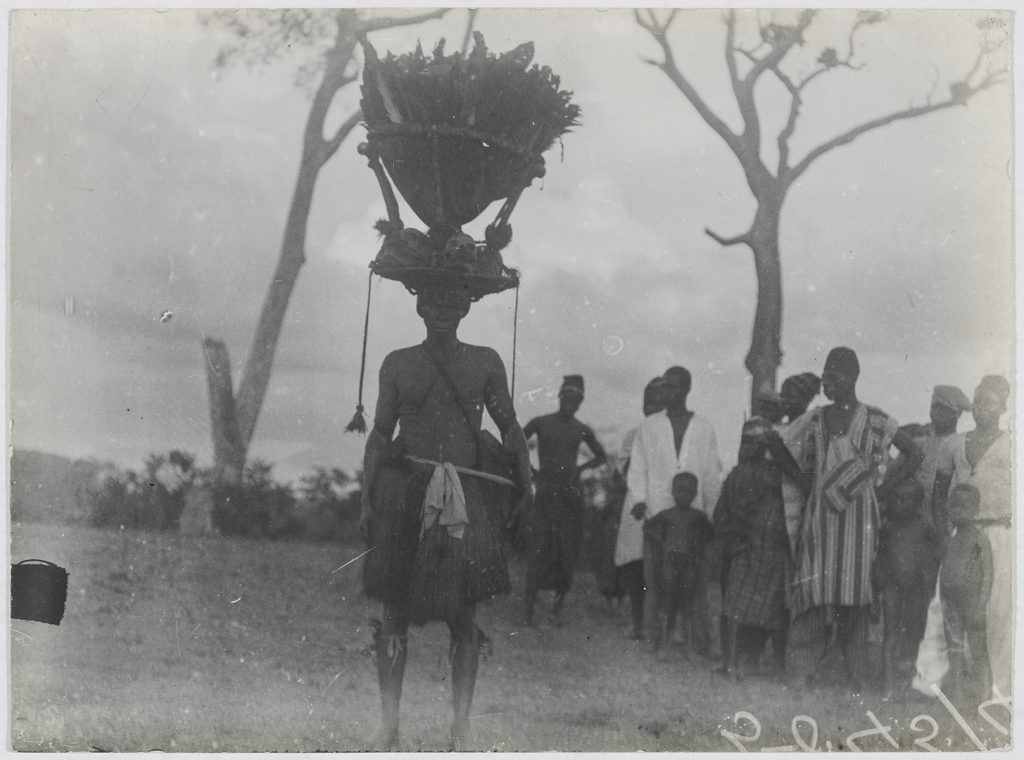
(222, 644)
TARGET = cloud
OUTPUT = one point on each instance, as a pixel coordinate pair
(140, 184)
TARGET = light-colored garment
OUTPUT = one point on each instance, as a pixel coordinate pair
(793, 497)
(444, 502)
(839, 530)
(932, 662)
(652, 465)
(992, 476)
(629, 541)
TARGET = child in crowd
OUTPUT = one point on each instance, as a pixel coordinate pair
(903, 576)
(965, 582)
(750, 531)
(678, 537)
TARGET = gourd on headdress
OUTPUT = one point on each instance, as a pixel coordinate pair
(455, 133)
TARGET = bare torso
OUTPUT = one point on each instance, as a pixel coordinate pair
(558, 440)
(438, 418)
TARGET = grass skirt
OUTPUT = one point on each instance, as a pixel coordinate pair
(555, 535)
(437, 576)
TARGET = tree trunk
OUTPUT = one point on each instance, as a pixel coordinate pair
(256, 377)
(236, 421)
(765, 352)
(228, 449)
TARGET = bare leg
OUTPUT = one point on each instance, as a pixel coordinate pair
(977, 640)
(700, 616)
(780, 638)
(892, 614)
(956, 646)
(556, 610)
(530, 602)
(852, 634)
(673, 607)
(732, 656)
(635, 588)
(465, 655)
(391, 650)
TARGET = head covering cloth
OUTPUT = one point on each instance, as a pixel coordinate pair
(755, 430)
(769, 401)
(572, 384)
(802, 388)
(996, 385)
(951, 397)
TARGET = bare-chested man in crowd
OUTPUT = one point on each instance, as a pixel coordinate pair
(555, 526)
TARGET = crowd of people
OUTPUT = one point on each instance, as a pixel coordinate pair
(832, 518)
(835, 519)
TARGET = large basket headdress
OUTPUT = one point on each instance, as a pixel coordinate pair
(456, 133)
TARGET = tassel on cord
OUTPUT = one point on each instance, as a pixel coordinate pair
(515, 328)
(358, 423)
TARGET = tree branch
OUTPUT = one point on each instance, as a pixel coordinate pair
(788, 129)
(730, 49)
(658, 30)
(331, 146)
(386, 22)
(469, 31)
(960, 93)
(780, 47)
(737, 240)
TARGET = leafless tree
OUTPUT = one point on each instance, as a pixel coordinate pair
(748, 61)
(328, 39)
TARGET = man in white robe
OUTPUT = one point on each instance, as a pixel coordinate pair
(675, 440)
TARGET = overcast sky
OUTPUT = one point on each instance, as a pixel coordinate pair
(145, 182)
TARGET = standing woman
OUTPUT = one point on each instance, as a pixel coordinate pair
(982, 458)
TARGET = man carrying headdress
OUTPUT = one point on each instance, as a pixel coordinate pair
(555, 524)
(429, 511)
(433, 499)
(845, 448)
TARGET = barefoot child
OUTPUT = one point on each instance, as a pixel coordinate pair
(677, 538)
(904, 574)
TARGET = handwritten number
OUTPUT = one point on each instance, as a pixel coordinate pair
(925, 741)
(878, 730)
(811, 746)
(738, 740)
(999, 699)
(958, 718)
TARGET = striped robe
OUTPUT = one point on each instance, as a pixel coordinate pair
(839, 529)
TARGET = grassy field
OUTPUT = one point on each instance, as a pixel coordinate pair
(232, 645)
